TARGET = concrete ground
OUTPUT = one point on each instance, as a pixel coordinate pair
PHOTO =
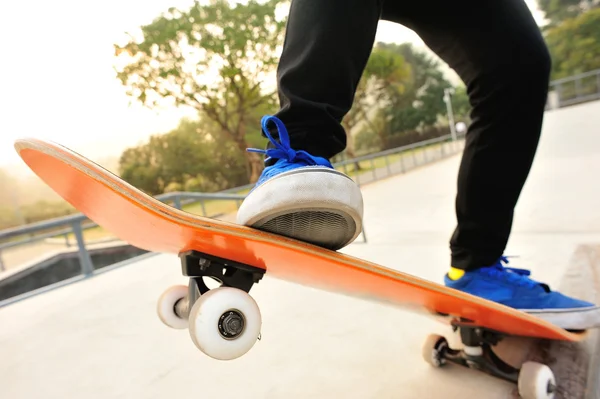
(101, 338)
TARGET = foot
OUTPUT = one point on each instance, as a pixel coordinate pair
(302, 196)
(512, 287)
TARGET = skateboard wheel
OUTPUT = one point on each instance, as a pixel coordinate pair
(225, 323)
(166, 307)
(433, 350)
(536, 381)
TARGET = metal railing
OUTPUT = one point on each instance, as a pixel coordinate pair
(363, 170)
(574, 90)
(398, 160)
(76, 224)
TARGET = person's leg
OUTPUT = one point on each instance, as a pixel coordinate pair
(299, 195)
(497, 49)
(325, 51)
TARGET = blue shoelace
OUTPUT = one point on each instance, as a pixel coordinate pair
(512, 274)
(282, 149)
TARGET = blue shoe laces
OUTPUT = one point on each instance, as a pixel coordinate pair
(282, 149)
(511, 274)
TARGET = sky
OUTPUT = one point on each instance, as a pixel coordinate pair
(57, 78)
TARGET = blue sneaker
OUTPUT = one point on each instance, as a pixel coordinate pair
(302, 196)
(513, 287)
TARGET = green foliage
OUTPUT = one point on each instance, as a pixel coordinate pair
(20, 202)
(421, 103)
(34, 212)
(400, 100)
(460, 104)
(140, 167)
(575, 44)
(8, 218)
(214, 58)
(367, 141)
(174, 187)
(557, 11)
(43, 210)
(413, 105)
(203, 184)
(384, 77)
(190, 157)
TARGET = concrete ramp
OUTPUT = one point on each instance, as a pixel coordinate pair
(101, 338)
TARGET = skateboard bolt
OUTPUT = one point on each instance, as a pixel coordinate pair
(203, 263)
(232, 324)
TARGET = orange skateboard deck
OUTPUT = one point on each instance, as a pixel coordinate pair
(239, 256)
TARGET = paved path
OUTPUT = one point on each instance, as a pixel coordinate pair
(101, 338)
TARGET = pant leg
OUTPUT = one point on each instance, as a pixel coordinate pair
(326, 47)
(497, 49)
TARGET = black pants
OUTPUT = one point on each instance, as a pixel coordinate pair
(496, 48)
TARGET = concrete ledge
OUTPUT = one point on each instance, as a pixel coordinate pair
(49, 270)
(576, 365)
(75, 279)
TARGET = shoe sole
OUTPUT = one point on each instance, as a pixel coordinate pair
(317, 205)
(569, 319)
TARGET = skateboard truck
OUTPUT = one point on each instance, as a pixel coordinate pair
(534, 380)
(197, 265)
(223, 322)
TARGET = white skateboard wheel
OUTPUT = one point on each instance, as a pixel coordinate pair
(536, 381)
(166, 307)
(432, 350)
(225, 323)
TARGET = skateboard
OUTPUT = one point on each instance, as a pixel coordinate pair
(224, 322)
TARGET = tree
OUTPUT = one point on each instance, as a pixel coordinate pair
(213, 58)
(141, 168)
(460, 104)
(420, 103)
(575, 45)
(385, 75)
(557, 11)
(189, 157)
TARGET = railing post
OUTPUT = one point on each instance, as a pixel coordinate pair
(177, 202)
(345, 165)
(373, 170)
(2, 266)
(402, 164)
(559, 90)
(387, 165)
(87, 268)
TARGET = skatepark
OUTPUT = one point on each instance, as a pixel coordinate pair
(101, 337)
